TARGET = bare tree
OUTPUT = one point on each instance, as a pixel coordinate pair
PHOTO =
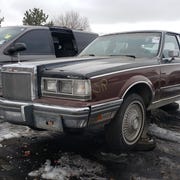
(73, 20)
(1, 19)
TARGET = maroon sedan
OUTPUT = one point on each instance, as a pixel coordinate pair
(111, 84)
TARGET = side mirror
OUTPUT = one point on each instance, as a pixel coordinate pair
(173, 54)
(17, 47)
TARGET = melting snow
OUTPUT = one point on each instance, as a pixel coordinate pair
(164, 133)
(70, 166)
(9, 131)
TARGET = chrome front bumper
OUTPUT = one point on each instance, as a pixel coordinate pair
(55, 118)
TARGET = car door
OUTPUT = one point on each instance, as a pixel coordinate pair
(170, 68)
(39, 45)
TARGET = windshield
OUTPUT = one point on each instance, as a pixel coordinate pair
(127, 44)
(8, 33)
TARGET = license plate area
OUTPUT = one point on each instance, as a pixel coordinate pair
(48, 121)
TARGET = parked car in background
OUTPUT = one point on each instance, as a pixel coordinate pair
(42, 42)
(111, 84)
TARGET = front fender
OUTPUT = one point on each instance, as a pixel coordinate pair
(133, 81)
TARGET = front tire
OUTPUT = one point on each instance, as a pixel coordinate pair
(126, 128)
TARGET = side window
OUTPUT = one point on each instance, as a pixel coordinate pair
(37, 42)
(64, 44)
(170, 44)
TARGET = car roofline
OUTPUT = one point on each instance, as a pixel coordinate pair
(141, 31)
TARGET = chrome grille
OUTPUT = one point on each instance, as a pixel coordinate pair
(16, 86)
(19, 82)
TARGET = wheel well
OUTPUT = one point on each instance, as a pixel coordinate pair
(142, 90)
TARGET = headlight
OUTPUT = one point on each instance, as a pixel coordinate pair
(69, 88)
(50, 85)
(65, 86)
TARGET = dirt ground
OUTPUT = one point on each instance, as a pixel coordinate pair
(41, 155)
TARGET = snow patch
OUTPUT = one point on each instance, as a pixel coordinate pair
(50, 172)
(70, 166)
(164, 133)
(9, 131)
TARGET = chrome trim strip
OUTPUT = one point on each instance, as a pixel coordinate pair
(109, 103)
(165, 99)
(34, 85)
(15, 103)
(105, 107)
(132, 69)
(17, 72)
(171, 86)
(65, 109)
(138, 82)
(23, 113)
(49, 107)
(163, 102)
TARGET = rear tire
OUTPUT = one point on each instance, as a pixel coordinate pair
(126, 128)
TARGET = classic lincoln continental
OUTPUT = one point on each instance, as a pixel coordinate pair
(111, 84)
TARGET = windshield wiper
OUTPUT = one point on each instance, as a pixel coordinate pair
(127, 55)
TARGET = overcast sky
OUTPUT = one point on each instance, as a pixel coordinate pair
(105, 16)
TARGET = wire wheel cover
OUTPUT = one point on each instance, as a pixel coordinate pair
(133, 122)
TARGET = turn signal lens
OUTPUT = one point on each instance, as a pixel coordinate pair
(81, 88)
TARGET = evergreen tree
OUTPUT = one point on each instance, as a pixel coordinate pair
(35, 17)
